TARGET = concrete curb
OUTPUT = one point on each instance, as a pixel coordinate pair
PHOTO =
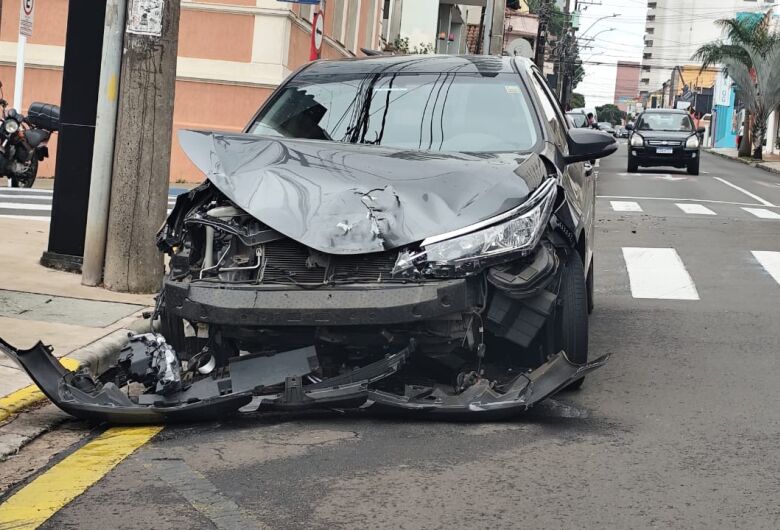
(750, 162)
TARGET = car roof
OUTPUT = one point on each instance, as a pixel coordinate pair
(486, 65)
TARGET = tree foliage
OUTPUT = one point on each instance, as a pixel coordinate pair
(750, 54)
(577, 100)
(610, 113)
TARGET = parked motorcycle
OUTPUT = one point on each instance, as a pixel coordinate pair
(24, 140)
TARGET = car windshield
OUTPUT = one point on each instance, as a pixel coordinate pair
(434, 112)
(577, 119)
(665, 122)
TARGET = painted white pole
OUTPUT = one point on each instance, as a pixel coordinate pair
(103, 150)
(19, 81)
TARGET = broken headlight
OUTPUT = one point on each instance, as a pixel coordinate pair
(516, 231)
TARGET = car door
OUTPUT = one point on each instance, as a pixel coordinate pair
(578, 184)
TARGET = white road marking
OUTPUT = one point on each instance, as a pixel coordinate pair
(770, 261)
(20, 196)
(625, 206)
(658, 273)
(763, 213)
(27, 217)
(23, 206)
(746, 192)
(671, 178)
(695, 209)
(26, 190)
(679, 199)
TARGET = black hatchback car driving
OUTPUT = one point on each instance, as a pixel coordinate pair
(664, 137)
(401, 232)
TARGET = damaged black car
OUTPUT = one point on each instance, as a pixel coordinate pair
(393, 233)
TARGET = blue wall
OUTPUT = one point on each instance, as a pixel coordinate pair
(725, 135)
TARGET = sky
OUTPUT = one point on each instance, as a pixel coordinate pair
(624, 42)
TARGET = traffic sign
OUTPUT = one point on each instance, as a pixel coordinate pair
(317, 30)
(26, 15)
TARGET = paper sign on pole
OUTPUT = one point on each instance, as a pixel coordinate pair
(26, 15)
(144, 17)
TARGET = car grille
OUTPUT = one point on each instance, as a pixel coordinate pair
(289, 262)
(664, 143)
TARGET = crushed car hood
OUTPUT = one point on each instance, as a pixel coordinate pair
(343, 198)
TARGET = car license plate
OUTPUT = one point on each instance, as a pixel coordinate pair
(664, 150)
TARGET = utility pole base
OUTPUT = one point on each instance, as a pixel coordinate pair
(62, 262)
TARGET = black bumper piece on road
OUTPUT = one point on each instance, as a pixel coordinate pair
(79, 395)
(354, 305)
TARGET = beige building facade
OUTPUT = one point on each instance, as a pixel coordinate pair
(232, 54)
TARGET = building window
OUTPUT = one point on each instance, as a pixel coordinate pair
(652, 5)
(645, 80)
(650, 31)
(645, 68)
(647, 56)
(338, 20)
(648, 43)
(650, 18)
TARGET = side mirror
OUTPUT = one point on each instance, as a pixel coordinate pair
(701, 130)
(629, 126)
(586, 144)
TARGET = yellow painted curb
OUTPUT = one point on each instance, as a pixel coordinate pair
(29, 395)
(50, 492)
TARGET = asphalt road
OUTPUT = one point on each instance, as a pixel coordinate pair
(680, 429)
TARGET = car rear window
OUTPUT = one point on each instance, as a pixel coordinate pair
(434, 112)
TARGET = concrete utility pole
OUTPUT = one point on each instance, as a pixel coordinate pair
(103, 151)
(139, 188)
(541, 35)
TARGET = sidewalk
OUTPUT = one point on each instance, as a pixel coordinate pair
(37, 303)
(770, 163)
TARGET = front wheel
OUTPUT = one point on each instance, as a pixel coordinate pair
(572, 319)
(693, 167)
(31, 173)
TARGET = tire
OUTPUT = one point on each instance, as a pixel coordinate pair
(589, 286)
(572, 320)
(14, 182)
(32, 173)
(693, 167)
(633, 167)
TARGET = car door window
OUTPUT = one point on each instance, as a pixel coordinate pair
(551, 112)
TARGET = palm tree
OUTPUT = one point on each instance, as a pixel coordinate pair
(750, 56)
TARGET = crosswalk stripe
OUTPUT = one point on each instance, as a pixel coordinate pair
(26, 190)
(22, 206)
(625, 206)
(17, 196)
(763, 213)
(658, 273)
(695, 209)
(26, 217)
(770, 261)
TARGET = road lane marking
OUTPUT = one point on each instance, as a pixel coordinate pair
(626, 206)
(201, 494)
(746, 192)
(762, 213)
(709, 201)
(770, 261)
(695, 209)
(20, 196)
(50, 492)
(27, 190)
(658, 273)
(24, 206)
(27, 217)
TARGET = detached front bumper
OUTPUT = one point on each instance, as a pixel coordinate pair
(80, 395)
